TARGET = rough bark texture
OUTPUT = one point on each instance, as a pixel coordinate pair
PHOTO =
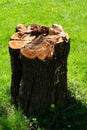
(16, 75)
(39, 67)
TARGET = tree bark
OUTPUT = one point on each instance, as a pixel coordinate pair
(16, 75)
(39, 67)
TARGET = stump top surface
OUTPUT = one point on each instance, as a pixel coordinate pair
(36, 41)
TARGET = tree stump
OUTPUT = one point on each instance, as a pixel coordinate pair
(39, 67)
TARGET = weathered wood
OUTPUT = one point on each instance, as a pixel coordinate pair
(18, 40)
(16, 74)
(41, 66)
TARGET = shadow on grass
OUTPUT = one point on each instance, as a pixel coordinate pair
(3, 111)
(3, 117)
(74, 117)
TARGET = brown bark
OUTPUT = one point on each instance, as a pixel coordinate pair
(39, 66)
(16, 75)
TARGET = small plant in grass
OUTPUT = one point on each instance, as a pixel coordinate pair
(13, 120)
(52, 119)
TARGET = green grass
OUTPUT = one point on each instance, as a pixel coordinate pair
(72, 15)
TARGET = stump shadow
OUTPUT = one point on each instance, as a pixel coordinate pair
(73, 117)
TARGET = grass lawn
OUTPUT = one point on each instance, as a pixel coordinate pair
(72, 15)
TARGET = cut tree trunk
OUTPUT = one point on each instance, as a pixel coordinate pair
(39, 67)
